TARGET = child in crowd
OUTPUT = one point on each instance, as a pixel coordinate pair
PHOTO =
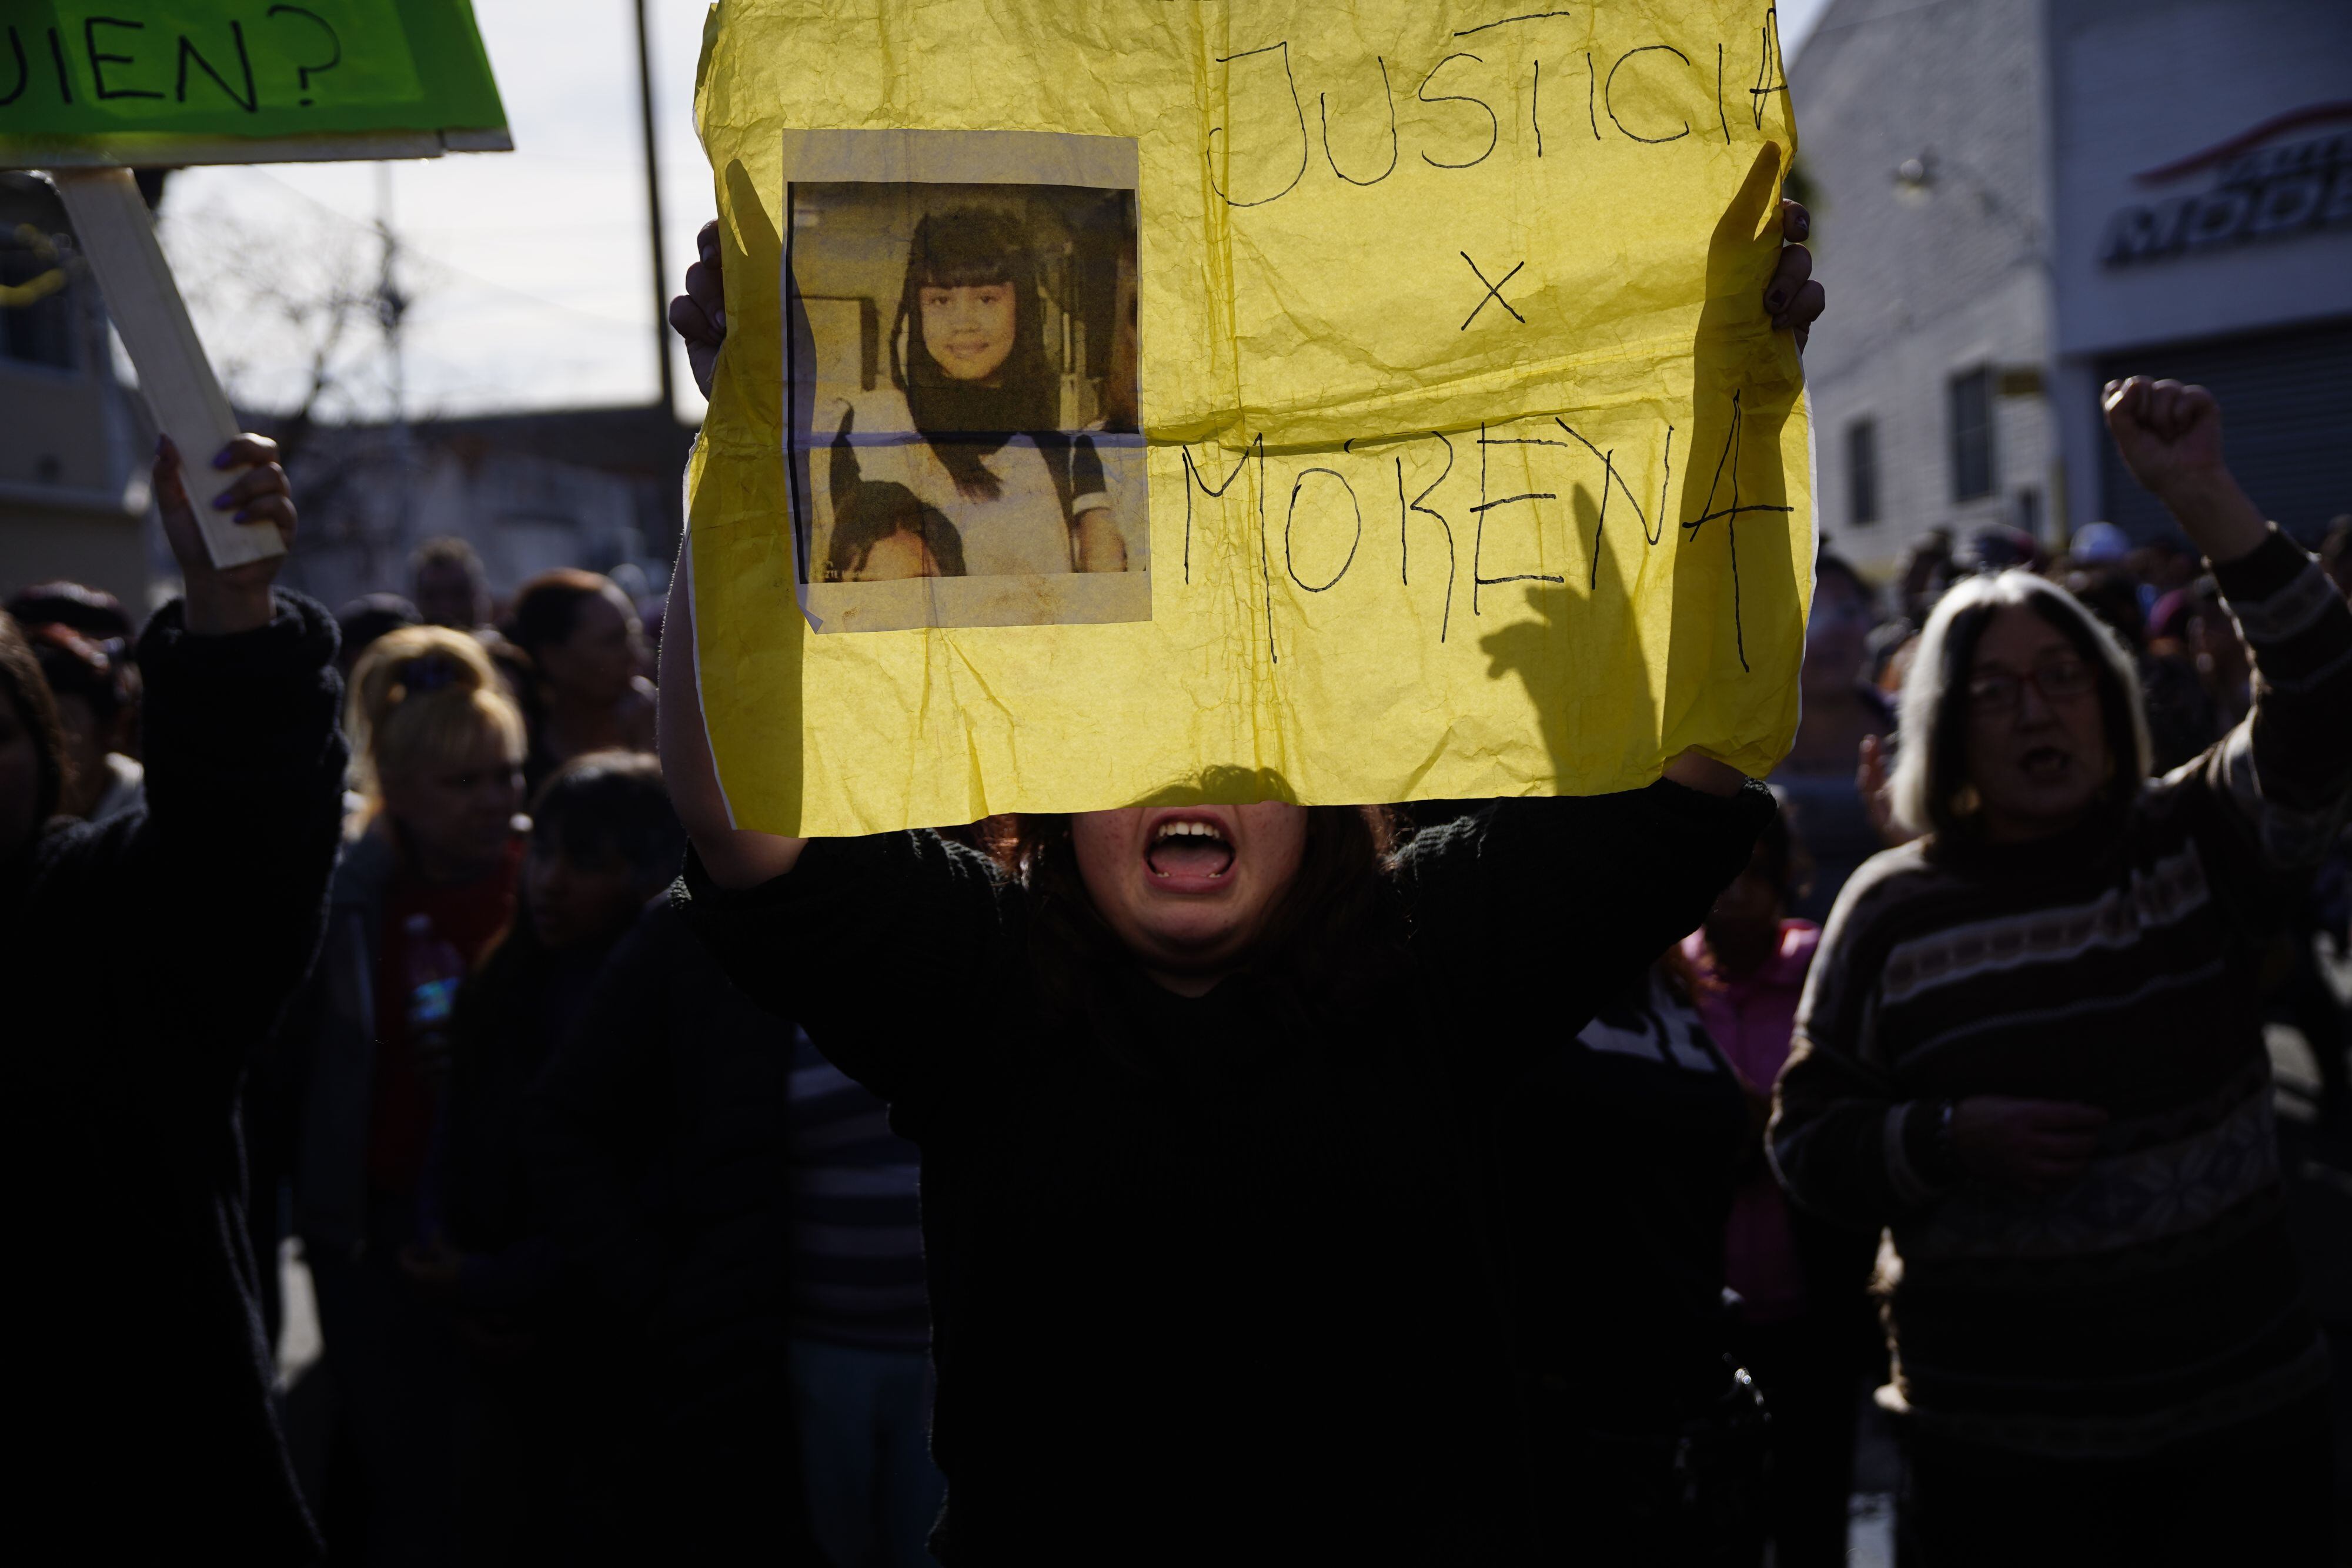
(1802, 1325)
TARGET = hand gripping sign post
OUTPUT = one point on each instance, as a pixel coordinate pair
(1232, 402)
(91, 89)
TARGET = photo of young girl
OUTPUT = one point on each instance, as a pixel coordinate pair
(963, 353)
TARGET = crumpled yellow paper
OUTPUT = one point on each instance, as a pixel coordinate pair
(1409, 538)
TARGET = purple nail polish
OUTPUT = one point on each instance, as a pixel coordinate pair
(222, 459)
(221, 501)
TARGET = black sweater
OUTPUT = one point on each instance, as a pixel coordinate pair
(1212, 1276)
(146, 959)
(659, 1157)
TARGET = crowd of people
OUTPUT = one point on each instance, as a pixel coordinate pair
(1541, 1180)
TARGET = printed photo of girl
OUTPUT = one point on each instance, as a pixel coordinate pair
(971, 379)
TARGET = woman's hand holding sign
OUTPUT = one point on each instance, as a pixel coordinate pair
(1792, 298)
(221, 601)
(699, 315)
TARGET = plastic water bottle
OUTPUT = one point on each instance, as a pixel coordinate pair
(434, 971)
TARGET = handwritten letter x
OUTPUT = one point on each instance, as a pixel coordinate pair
(1494, 292)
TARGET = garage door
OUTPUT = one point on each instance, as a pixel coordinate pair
(2286, 424)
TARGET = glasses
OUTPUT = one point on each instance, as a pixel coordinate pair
(1996, 691)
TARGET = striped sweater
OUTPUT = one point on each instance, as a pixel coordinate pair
(858, 1241)
(2157, 1297)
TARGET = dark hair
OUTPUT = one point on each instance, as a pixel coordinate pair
(1827, 565)
(23, 686)
(874, 510)
(92, 612)
(368, 618)
(965, 247)
(447, 550)
(1931, 762)
(547, 608)
(2114, 597)
(611, 802)
(75, 666)
(1335, 929)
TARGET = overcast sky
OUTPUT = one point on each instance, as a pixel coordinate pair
(530, 271)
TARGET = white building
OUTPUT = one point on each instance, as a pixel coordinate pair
(2016, 200)
(76, 445)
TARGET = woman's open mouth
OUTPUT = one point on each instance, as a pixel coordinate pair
(1189, 850)
(2045, 764)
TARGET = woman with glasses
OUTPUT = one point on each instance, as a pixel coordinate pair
(2031, 1048)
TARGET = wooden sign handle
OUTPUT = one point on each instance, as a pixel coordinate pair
(118, 235)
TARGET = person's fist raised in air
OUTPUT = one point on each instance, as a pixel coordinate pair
(2169, 434)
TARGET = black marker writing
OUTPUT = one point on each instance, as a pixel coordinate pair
(1478, 540)
(1193, 478)
(334, 47)
(1709, 512)
(1609, 92)
(1494, 126)
(1771, 73)
(1446, 618)
(98, 62)
(17, 47)
(1325, 112)
(1290, 521)
(1210, 151)
(1609, 476)
(1506, 21)
(251, 101)
(1494, 292)
(1265, 568)
(1590, 80)
(1719, 96)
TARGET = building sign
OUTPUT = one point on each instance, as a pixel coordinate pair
(2258, 192)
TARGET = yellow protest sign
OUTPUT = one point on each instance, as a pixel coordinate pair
(1160, 401)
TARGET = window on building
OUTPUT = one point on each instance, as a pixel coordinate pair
(37, 324)
(1971, 423)
(1862, 472)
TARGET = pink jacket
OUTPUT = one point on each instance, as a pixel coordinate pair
(1750, 1018)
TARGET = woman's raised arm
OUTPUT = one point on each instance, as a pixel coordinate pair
(735, 857)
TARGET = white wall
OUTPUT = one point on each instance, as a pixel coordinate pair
(1931, 280)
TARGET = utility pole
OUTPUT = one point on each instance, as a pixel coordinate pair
(391, 313)
(653, 212)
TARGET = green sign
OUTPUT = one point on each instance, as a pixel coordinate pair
(84, 80)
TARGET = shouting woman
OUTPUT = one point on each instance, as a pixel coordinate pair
(1199, 1094)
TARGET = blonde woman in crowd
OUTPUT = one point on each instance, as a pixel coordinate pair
(425, 884)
